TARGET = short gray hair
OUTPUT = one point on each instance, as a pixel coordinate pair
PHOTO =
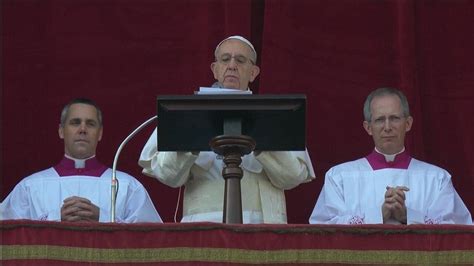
(65, 111)
(383, 92)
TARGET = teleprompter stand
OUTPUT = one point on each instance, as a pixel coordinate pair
(232, 126)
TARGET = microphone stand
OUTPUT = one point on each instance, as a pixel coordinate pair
(114, 167)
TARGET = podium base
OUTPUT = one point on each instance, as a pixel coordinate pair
(232, 148)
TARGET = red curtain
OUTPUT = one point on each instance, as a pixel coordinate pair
(123, 53)
(338, 51)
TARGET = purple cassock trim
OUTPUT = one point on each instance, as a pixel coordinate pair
(377, 161)
(92, 168)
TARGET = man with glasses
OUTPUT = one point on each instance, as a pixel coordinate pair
(266, 174)
(388, 186)
(235, 67)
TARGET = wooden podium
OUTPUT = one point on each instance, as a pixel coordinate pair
(232, 126)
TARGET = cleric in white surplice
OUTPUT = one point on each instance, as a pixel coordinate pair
(79, 187)
(388, 186)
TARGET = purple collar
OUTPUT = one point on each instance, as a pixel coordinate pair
(377, 161)
(92, 168)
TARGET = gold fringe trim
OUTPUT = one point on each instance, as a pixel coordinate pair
(227, 255)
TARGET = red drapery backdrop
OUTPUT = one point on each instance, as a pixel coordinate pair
(124, 53)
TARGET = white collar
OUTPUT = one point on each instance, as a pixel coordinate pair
(390, 157)
(79, 163)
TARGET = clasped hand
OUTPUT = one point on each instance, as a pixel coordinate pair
(394, 204)
(77, 209)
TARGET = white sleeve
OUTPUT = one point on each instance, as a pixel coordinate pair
(287, 169)
(16, 205)
(446, 208)
(170, 168)
(139, 207)
(331, 207)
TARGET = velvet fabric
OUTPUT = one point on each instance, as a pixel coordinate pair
(124, 53)
(39, 243)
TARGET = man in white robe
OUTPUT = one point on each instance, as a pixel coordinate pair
(79, 187)
(388, 186)
(266, 175)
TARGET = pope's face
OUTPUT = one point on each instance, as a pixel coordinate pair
(81, 131)
(233, 67)
(388, 125)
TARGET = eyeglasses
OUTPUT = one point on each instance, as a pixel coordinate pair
(239, 59)
(392, 120)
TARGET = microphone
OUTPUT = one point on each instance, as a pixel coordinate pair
(114, 167)
(217, 84)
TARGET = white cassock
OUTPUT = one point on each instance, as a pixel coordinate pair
(353, 192)
(40, 195)
(265, 178)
